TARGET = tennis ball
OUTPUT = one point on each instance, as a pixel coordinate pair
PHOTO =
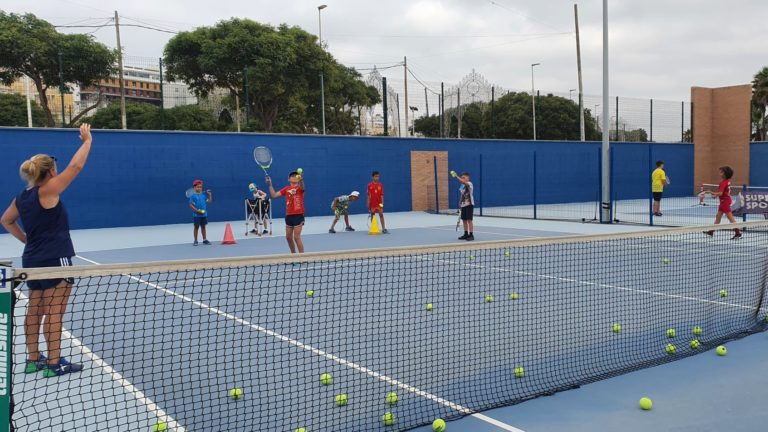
(723, 293)
(671, 333)
(310, 293)
(236, 393)
(341, 399)
(519, 372)
(438, 425)
(721, 351)
(388, 418)
(299, 170)
(160, 426)
(381, 205)
(300, 430)
(514, 296)
(471, 257)
(506, 253)
(391, 398)
(326, 379)
(697, 331)
(695, 344)
(646, 403)
(666, 260)
(671, 349)
(489, 298)
(429, 307)
(616, 328)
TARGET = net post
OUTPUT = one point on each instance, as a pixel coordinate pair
(600, 182)
(437, 186)
(744, 188)
(6, 345)
(481, 184)
(650, 197)
(535, 187)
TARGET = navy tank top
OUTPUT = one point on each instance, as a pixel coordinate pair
(47, 229)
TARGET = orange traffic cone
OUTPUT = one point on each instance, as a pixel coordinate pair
(229, 238)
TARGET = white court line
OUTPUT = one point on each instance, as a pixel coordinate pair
(117, 377)
(362, 369)
(489, 232)
(602, 285)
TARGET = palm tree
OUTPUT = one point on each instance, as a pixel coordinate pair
(759, 104)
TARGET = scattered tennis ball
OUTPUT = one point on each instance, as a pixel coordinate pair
(697, 331)
(671, 333)
(506, 253)
(471, 257)
(438, 425)
(616, 328)
(646, 403)
(391, 398)
(671, 349)
(341, 399)
(388, 418)
(429, 307)
(489, 298)
(300, 430)
(721, 351)
(299, 170)
(326, 379)
(160, 426)
(310, 293)
(514, 296)
(519, 372)
(695, 344)
(236, 393)
(723, 293)
(665, 260)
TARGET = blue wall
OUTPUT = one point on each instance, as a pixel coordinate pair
(138, 178)
(758, 164)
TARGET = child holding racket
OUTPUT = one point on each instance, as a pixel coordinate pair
(724, 194)
(467, 204)
(198, 202)
(659, 181)
(340, 206)
(294, 209)
(375, 202)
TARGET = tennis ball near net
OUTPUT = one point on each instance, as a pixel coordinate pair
(438, 425)
(300, 430)
(429, 307)
(697, 331)
(341, 399)
(721, 351)
(671, 333)
(160, 426)
(519, 372)
(616, 328)
(326, 379)
(665, 260)
(671, 349)
(310, 293)
(236, 393)
(388, 418)
(646, 403)
(514, 296)
(695, 344)
(489, 298)
(391, 398)
(723, 293)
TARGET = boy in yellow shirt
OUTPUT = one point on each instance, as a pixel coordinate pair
(659, 180)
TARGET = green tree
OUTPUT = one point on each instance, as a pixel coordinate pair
(31, 46)
(281, 66)
(13, 111)
(759, 105)
(140, 116)
(192, 118)
(557, 118)
(429, 126)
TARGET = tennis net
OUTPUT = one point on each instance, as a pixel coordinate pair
(451, 330)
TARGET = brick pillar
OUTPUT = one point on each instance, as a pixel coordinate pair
(721, 132)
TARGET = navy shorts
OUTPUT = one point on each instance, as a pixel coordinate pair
(200, 221)
(44, 284)
(657, 196)
(294, 220)
(467, 212)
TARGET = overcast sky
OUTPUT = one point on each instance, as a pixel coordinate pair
(658, 48)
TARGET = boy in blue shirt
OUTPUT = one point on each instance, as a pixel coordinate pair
(198, 202)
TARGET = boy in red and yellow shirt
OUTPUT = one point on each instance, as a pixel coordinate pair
(294, 209)
(376, 199)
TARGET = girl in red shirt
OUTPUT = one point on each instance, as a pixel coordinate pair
(294, 209)
(724, 193)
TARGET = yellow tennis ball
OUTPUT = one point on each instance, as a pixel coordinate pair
(671, 349)
(721, 351)
(723, 293)
(438, 425)
(671, 333)
(616, 328)
(519, 372)
(310, 293)
(666, 260)
(388, 418)
(429, 307)
(697, 331)
(489, 298)
(514, 296)
(299, 170)
(160, 426)
(391, 398)
(300, 430)
(381, 205)
(236, 393)
(695, 344)
(506, 253)
(326, 379)
(341, 399)
(646, 403)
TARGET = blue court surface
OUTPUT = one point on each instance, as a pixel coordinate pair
(169, 345)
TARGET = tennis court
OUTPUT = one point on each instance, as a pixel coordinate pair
(166, 341)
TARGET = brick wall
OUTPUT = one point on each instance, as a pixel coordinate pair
(423, 179)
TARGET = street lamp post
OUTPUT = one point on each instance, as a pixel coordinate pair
(322, 86)
(533, 100)
(413, 119)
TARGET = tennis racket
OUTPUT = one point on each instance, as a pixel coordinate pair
(458, 221)
(263, 157)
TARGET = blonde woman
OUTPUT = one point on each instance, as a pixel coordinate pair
(46, 244)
